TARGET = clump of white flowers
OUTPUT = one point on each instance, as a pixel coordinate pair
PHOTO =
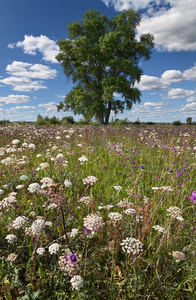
(86, 200)
(179, 256)
(90, 180)
(159, 229)
(20, 222)
(37, 226)
(45, 181)
(44, 166)
(83, 159)
(54, 248)
(15, 142)
(23, 177)
(40, 251)
(31, 146)
(74, 232)
(77, 282)
(115, 216)
(131, 245)
(175, 212)
(34, 187)
(67, 183)
(19, 187)
(129, 211)
(11, 238)
(1, 192)
(93, 223)
(118, 188)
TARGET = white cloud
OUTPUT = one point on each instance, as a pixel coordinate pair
(14, 99)
(180, 93)
(190, 74)
(119, 5)
(24, 107)
(23, 84)
(51, 106)
(172, 76)
(152, 83)
(155, 104)
(48, 48)
(174, 29)
(21, 69)
(189, 107)
(191, 99)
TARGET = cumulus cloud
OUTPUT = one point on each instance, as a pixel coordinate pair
(174, 28)
(155, 104)
(23, 84)
(51, 106)
(152, 83)
(189, 107)
(119, 5)
(24, 107)
(172, 76)
(180, 93)
(14, 99)
(191, 99)
(22, 69)
(31, 45)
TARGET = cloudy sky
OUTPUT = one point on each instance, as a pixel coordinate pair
(32, 82)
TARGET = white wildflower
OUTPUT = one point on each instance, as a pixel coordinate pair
(15, 142)
(44, 166)
(48, 223)
(86, 199)
(23, 177)
(38, 155)
(67, 183)
(74, 232)
(179, 256)
(129, 211)
(34, 187)
(159, 229)
(37, 226)
(115, 216)
(19, 222)
(77, 282)
(31, 146)
(131, 245)
(20, 186)
(11, 238)
(93, 223)
(54, 248)
(40, 251)
(90, 180)
(1, 192)
(83, 158)
(118, 188)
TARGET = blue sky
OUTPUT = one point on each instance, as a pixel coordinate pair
(32, 82)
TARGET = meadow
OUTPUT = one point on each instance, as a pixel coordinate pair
(95, 212)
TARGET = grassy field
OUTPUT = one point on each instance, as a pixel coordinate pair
(97, 212)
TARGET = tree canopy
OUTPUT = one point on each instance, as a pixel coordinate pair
(102, 57)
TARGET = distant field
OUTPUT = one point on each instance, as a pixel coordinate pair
(97, 212)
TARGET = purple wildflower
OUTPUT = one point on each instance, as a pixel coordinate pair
(193, 196)
(86, 230)
(72, 258)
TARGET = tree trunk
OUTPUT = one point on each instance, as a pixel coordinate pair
(101, 119)
(108, 113)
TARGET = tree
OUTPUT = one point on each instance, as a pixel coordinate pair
(101, 57)
(189, 120)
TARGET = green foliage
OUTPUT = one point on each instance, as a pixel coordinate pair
(102, 58)
(67, 120)
(189, 121)
(177, 122)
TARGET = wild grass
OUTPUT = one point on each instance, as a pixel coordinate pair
(144, 174)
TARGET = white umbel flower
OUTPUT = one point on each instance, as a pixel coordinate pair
(40, 251)
(115, 216)
(118, 188)
(19, 222)
(131, 245)
(159, 229)
(11, 238)
(23, 177)
(34, 187)
(37, 226)
(77, 282)
(90, 180)
(67, 183)
(54, 248)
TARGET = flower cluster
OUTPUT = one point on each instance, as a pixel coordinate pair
(125, 203)
(45, 182)
(11, 238)
(69, 263)
(67, 183)
(175, 212)
(19, 222)
(159, 229)
(7, 203)
(77, 282)
(131, 245)
(86, 199)
(54, 248)
(34, 187)
(129, 211)
(40, 251)
(179, 256)
(37, 227)
(118, 188)
(23, 177)
(193, 197)
(115, 216)
(93, 223)
(90, 180)
(83, 158)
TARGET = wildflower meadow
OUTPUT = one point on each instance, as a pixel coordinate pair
(96, 212)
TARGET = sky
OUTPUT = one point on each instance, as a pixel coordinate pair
(32, 82)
